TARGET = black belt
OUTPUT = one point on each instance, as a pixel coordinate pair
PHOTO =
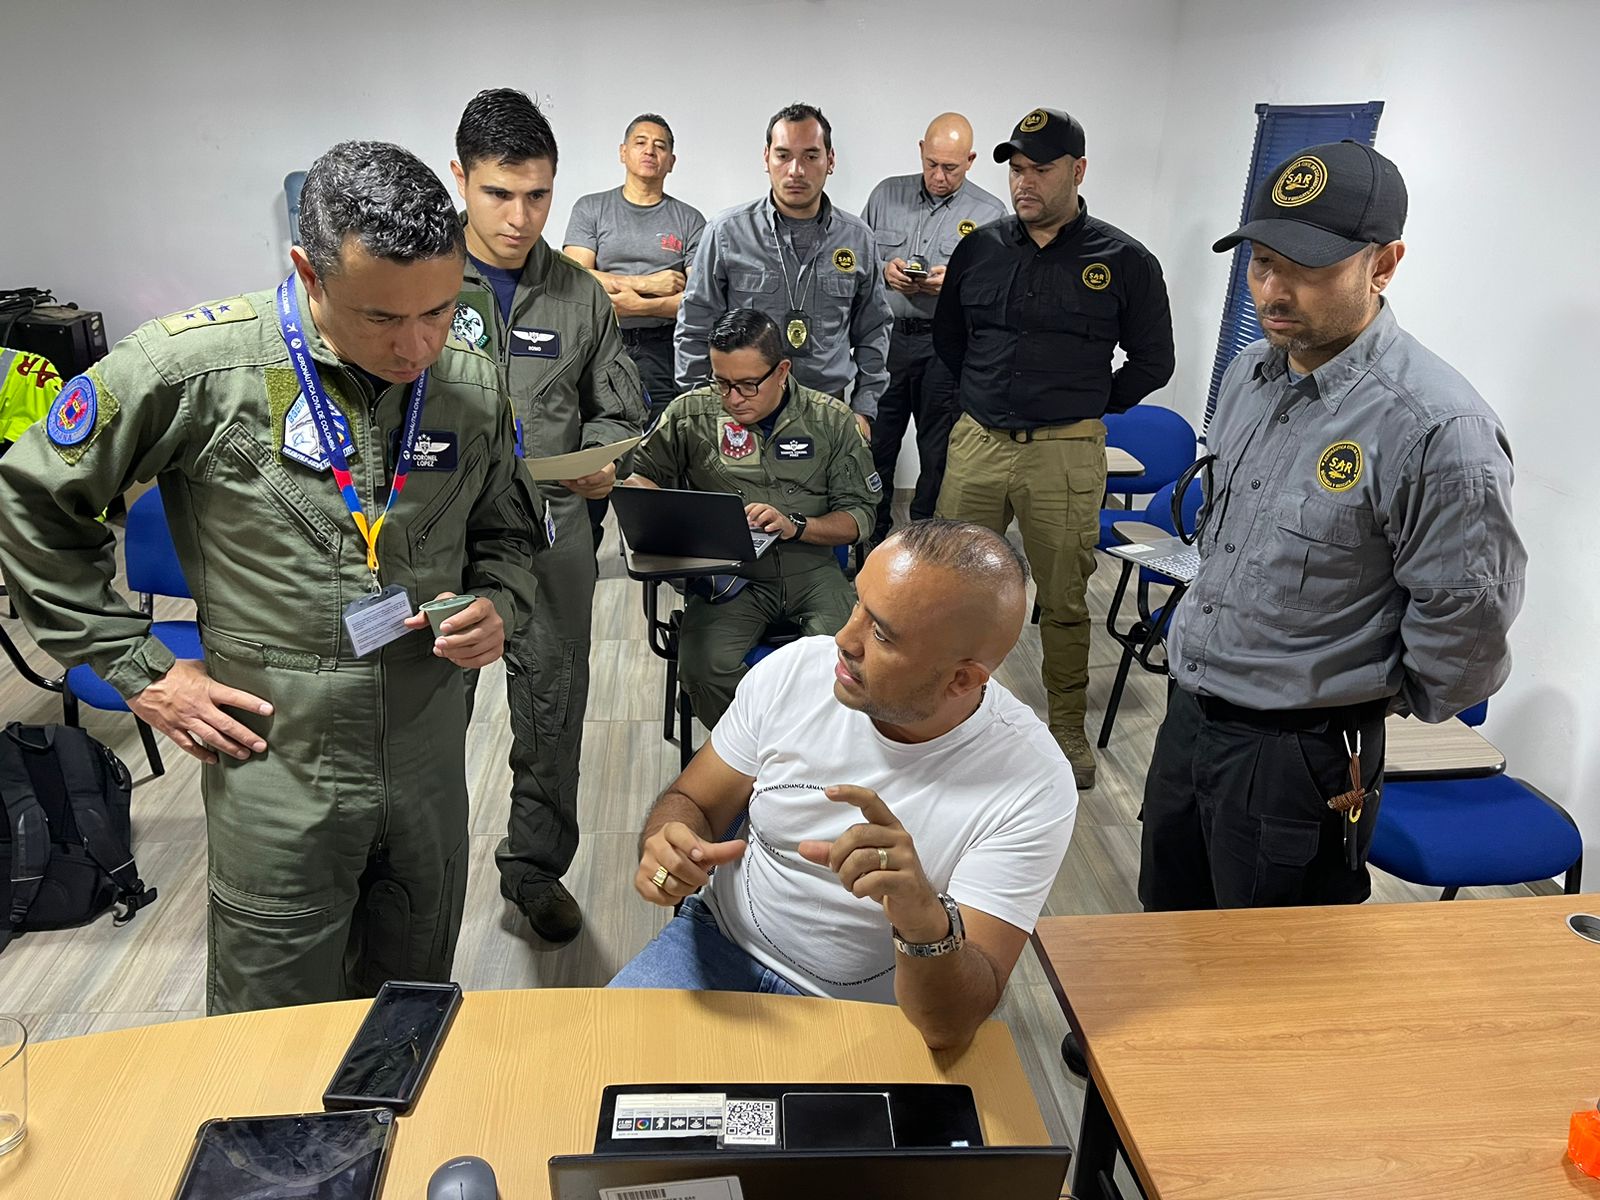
(1297, 720)
(913, 326)
(652, 333)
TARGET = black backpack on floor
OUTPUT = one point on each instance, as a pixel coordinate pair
(64, 832)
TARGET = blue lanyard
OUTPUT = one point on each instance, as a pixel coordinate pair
(292, 328)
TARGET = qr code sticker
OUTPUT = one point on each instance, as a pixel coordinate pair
(750, 1123)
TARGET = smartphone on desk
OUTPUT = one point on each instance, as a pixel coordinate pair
(392, 1052)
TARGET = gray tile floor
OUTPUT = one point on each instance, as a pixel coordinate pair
(99, 977)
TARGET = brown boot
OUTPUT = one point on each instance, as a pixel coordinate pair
(1080, 754)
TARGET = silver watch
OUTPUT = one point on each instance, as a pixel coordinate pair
(948, 944)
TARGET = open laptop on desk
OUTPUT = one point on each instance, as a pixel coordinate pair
(707, 526)
(1166, 555)
(978, 1173)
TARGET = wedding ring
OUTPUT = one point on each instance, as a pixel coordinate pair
(197, 740)
(660, 878)
(883, 859)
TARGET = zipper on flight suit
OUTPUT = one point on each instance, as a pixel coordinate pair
(377, 454)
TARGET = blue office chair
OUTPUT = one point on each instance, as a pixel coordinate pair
(664, 638)
(1141, 639)
(1159, 438)
(1453, 833)
(153, 571)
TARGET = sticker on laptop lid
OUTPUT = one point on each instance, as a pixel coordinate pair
(721, 1187)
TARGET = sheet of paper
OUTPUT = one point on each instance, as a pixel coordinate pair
(580, 462)
(723, 1187)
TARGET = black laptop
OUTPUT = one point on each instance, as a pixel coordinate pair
(683, 524)
(976, 1173)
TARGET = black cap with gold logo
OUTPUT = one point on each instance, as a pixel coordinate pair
(1044, 135)
(1324, 204)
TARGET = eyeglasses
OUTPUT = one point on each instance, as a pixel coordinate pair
(745, 387)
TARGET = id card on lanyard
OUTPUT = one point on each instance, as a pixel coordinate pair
(378, 618)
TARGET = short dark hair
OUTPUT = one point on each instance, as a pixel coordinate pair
(381, 194)
(504, 125)
(803, 112)
(651, 119)
(975, 552)
(743, 328)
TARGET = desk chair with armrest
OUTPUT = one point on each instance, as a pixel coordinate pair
(1146, 634)
(1161, 439)
(153, 571)
(663, 636)
(1453, 833)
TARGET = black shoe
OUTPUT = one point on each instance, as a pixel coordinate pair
(551, 910)
(1072, 1055)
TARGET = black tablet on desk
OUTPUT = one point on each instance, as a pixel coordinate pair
(310, 1156)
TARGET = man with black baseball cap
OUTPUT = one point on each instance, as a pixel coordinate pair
(1031, 311)
(1357, 558)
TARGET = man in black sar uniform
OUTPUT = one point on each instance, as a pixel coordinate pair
(1029, 316)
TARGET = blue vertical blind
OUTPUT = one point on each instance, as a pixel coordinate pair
(1281, 130)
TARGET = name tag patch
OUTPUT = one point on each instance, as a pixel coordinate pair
(300, 441)
(797, 447)
(434, 449)
(535, 343)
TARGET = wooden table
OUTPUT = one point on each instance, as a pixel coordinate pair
(1120, 462)
(113, 1115)
(1450, 750)
(1386, 1051)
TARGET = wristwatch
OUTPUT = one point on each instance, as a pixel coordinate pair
(948, 944)
(799, 526)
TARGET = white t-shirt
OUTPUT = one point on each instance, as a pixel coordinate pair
(989, 805)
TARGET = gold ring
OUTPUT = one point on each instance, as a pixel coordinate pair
(660, 878)
(883, 859)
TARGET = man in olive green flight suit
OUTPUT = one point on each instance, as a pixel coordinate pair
(551, 327)
(798, 459)
(336, 801)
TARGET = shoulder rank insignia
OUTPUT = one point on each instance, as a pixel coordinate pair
(218, 312)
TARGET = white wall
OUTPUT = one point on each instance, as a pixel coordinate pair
(171, 126)
(174, 123)
(1489, 111)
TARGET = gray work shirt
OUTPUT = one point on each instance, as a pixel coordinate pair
(1359, 545)
(745, 260)
(636, 239)
(906, 221)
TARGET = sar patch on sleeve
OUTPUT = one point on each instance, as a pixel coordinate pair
(218, 312)
(77, 415)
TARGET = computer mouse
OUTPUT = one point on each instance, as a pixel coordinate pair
(464, 1178)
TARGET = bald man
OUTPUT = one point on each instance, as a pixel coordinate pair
(906, 813)
(918, 221)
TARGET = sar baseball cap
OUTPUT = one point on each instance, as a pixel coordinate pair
(1044, 135)
(1324, 204)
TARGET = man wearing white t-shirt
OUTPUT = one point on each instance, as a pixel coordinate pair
(907, 814)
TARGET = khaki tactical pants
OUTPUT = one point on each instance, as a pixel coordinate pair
(716, 637)
(1053, 484)
(338, 858)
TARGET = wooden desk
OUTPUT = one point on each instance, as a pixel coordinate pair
(113, 1115)
(1387, 1051)
(1120, 462)
(1450, 750)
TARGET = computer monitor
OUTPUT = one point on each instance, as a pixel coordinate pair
(1011, 1172)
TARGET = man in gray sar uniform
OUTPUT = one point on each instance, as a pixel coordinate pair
(335, 781)
(549, 325)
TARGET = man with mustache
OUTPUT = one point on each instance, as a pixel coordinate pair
(906, 813)
(806, 474)
(1357, 558)
(1028, 318)
(811, 267)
